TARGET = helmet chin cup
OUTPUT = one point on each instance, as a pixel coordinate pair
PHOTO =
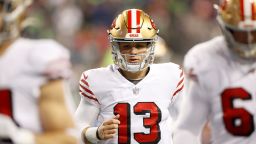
(134, 67)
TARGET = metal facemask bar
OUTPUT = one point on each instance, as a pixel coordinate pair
(10, 16)
(121, 59)
(244, 50)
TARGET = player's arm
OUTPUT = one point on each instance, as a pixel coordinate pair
(55, 117)
(87, 114)
(57, 124)
(193, 114)
(86, 117)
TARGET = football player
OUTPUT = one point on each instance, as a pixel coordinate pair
(34, 105)
(220, 80)
(132, 100)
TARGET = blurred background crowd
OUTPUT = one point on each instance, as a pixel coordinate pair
(81, 26)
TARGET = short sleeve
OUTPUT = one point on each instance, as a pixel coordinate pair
(50, 59)
(179, 84)
(177, 94)
(190, 63)
(196, 68)
(85, 90)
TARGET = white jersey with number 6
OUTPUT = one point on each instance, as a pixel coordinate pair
(221, 88)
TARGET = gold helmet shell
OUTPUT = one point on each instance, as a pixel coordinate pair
(238, 14)
(133, 24)
(237, 19)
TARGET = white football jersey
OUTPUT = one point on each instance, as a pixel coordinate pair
(25, 66)
(225, 86)
(143, 108)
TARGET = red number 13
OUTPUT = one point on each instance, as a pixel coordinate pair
(152, 122)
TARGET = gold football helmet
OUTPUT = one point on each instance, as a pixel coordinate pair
(11, 15)
(133, 25)
(237, 19)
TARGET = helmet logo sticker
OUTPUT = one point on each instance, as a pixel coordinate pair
(113, 25)
(153, 24)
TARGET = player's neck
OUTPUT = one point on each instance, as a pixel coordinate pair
(4, 46)
(134, 76)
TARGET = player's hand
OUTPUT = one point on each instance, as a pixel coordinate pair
(108, 129)
(9, 131)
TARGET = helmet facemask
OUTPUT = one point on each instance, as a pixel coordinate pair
(245, 49)
(122, 60)
(133, 26)
(12, 11)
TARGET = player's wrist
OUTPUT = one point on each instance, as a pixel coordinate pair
(24, 137)
(91, 134)
(97, 134)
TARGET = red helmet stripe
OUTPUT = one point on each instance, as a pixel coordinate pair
(224, 5)
(253, 10)
(242, 9)
(129, 17)
(138, 20)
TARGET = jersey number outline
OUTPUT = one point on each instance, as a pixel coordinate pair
(151, 122)
(231, 115)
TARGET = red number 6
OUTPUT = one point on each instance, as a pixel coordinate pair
(238, 121)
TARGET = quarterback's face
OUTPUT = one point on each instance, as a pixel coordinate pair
(133, 51)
